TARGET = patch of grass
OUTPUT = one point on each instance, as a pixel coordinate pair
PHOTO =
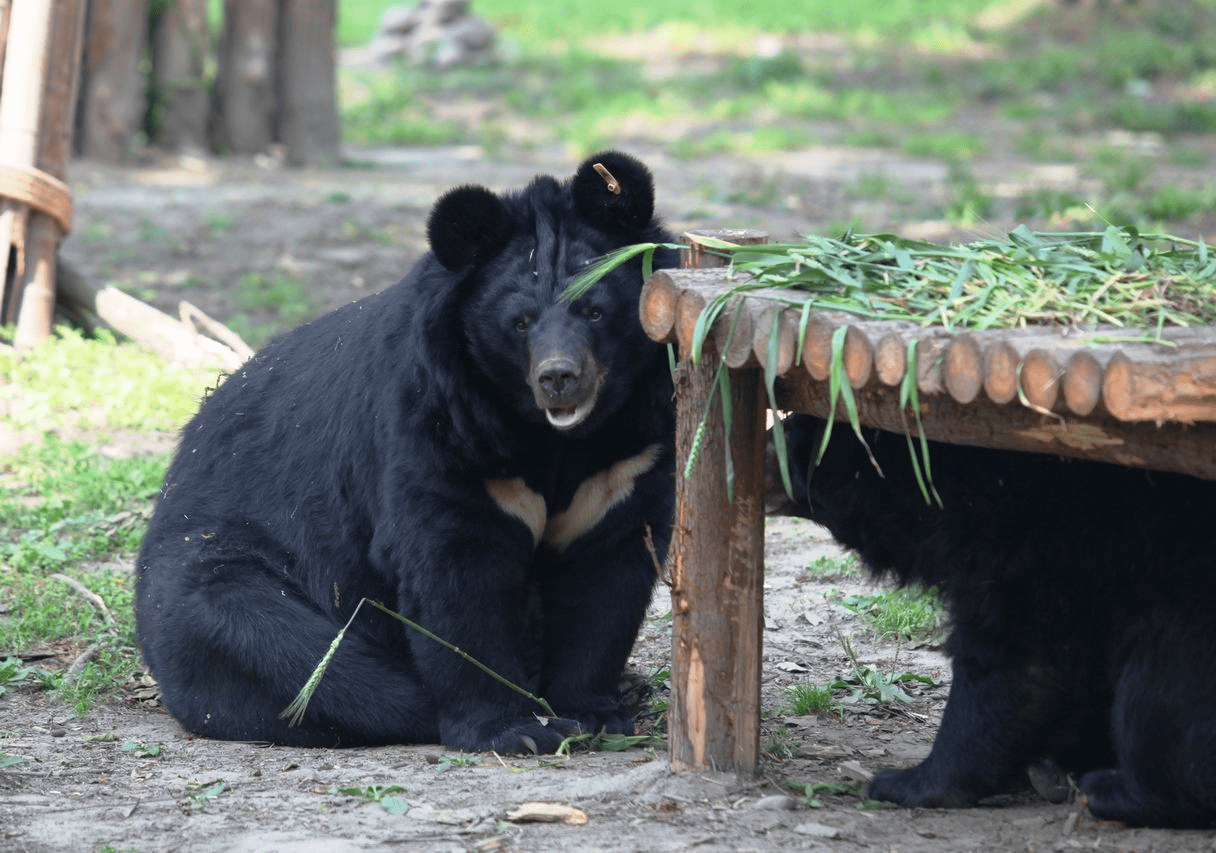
(812, 791)
(804, 699)
(780, 744)
(14, 673)
(140, 749)
(1175, 203)
(74, 383)
(831, 568)
(908, 613)
(285, 298)
(872, 185)
(218, 224)
(969, 202)
(948, 145)
(447, 762)
(870, 685)
(72, 516)
(66, 514)
(388, 796)
(199, 794)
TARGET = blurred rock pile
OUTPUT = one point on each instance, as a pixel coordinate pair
(437, 33)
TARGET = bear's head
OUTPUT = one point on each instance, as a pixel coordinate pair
(569, 364)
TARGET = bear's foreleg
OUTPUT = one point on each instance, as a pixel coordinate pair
(594, 602)
(466, 572)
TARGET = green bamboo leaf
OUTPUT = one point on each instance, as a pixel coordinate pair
(909, 396)
(601, 267)
(770, 380)
(728, 416)
(840, 379)
(295, 710)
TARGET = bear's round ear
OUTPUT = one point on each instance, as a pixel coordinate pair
(467, 226)
(614, 191)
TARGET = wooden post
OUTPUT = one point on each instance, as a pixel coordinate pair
(717, 567)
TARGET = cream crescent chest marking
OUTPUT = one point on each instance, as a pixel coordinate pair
(592, 500)
(518, 501)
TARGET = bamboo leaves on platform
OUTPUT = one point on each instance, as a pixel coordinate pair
(1118, 277)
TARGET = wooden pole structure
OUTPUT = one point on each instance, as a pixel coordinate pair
(41, 59)
(716, 561)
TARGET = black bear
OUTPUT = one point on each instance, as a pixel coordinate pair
(470, 448)
(1082, 634)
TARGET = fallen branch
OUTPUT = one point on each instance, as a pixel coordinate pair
(90, 596)
(173, 339)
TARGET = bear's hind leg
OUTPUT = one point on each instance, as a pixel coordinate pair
(231, 641)
(1115, 795)
(991, 730)
(1163, 726)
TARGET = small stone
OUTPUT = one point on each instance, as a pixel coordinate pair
(776, 802)
(817, 830)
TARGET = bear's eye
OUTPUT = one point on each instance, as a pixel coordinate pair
(594, 314)
(521, 325)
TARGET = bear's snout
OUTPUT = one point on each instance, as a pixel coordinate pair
(565, 389)
(557, 377)
(564, 374)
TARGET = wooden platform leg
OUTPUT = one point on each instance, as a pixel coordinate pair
(717, 574)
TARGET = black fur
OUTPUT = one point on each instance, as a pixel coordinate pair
(393, 450)
(1081, 597)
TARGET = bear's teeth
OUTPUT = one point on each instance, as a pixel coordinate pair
(570, 417)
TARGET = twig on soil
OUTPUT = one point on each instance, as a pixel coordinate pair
(90, 596)
(82, 660)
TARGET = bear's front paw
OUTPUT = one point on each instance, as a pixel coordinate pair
(532, 734)
(600, 722)
(915, 787)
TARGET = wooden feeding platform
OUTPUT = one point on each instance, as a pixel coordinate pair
(1104, 394)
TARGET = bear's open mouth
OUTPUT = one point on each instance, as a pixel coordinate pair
(569, 417)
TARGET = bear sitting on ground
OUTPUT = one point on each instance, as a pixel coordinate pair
(469, 449)
(1081, 597)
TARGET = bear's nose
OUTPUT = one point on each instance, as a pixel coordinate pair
(557, 376)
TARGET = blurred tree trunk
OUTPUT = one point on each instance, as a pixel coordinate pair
(308, 110)
(111, 104)
(245, 78)
(178, 111)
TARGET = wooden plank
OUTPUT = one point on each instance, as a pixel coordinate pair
(1185, 448)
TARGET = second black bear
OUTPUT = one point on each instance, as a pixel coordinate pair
(1081, 601)
(468, 448)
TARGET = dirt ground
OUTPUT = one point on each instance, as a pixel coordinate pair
(127, 777)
